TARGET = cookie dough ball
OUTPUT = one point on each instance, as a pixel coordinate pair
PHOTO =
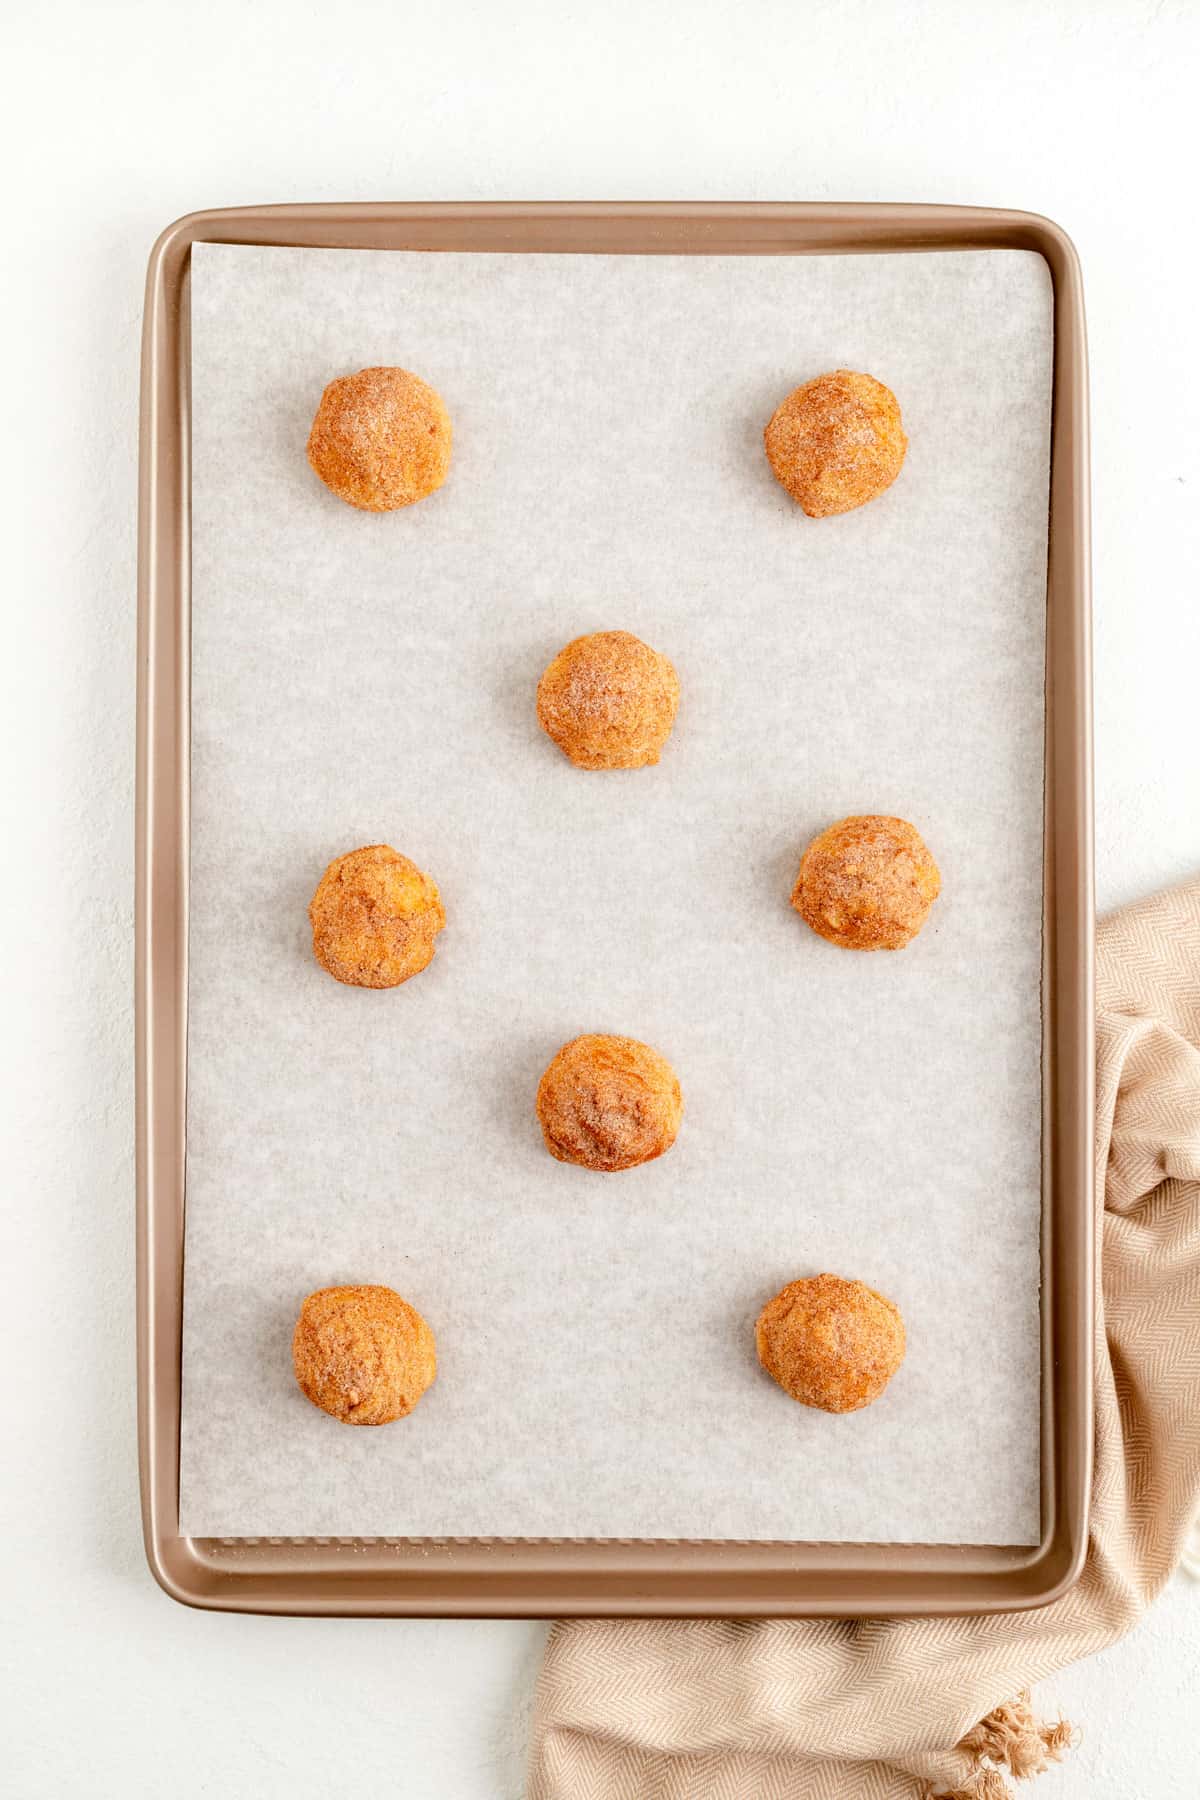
(836, 442)
(381, 439)
(609, 1103)
(362, 1354)
(374, 918)
(867, 883)
(608, 701)
(830, 1343)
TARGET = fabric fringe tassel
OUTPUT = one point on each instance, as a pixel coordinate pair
(1009, 1739)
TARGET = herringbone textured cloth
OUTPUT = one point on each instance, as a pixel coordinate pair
(878, 1710)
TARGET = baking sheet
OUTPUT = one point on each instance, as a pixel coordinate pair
(358, 679)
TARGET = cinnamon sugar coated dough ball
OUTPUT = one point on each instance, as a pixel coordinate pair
(374, 918)
(362, 1354)
(609, 1103)
(867, 883)
(609, 701)
(830, 1343)
(836, 442)
(381, 439)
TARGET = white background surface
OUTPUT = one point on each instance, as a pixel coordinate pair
(118, 119)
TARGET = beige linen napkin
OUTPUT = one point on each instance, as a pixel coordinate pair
(905, 1709)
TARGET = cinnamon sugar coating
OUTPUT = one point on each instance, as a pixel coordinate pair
(381, 439)
(609, 1103)
(609, 701)
(362, 1354)
(830, 1343)
(867, 883)
(836, 442)
(374, 918)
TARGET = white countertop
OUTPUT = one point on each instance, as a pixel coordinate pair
(123, 117)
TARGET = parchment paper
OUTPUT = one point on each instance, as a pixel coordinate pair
(359, 679)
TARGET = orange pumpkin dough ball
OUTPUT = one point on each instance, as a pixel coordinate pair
(867, 883)
(374, 918)
(381, 439)
(362, 1354)
(836, 442)
(609, 701)
(609, 1103)
(830, 1343)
